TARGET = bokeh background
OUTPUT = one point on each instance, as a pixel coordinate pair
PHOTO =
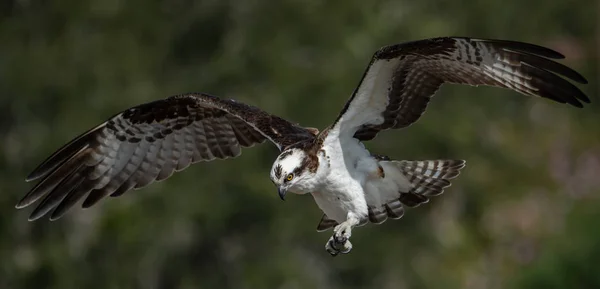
(523, 214)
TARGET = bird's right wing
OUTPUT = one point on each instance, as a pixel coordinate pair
(149, 142)
(401, 79)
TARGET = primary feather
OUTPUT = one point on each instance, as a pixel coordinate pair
(148, 143)
(401, 79)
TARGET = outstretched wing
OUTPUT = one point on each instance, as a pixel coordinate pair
(149, 142)
(401, 79)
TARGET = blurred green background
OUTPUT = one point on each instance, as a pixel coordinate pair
(523, 214)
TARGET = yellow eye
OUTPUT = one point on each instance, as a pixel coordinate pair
(289, 177)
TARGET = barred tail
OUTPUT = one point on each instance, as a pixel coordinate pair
(425, 179)
(428, 178)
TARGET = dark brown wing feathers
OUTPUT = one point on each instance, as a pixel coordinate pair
(148, 143)
(427, 64)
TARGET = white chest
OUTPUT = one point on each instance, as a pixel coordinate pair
(346, 167)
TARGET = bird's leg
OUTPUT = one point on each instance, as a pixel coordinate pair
(339, 241)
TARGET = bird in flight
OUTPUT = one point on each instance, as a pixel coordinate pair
(350, 185)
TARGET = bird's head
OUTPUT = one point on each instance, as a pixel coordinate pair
(293, 171)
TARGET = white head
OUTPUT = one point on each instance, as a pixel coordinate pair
(293, 171)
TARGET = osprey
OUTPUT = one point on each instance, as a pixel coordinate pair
(350, 185)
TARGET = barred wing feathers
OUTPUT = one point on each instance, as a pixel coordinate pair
(401, 79)
(148, 143)
(427, 179)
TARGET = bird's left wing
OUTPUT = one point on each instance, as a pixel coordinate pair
(148, 143)
(401, 79)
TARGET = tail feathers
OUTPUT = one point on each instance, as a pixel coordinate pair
(430, 178)
(426, 178)
(392, 210)
(412, 200)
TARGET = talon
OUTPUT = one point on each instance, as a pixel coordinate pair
(331, 249)
(332, 252)
(340, 240)
(347, 248)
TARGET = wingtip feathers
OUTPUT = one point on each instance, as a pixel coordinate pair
(526, 47)
(60, 156)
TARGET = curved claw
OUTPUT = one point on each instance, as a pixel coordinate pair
(334, 248)
(339, 240)
(347, 248)
(331, 249)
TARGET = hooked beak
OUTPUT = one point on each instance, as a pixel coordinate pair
(281, 191)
